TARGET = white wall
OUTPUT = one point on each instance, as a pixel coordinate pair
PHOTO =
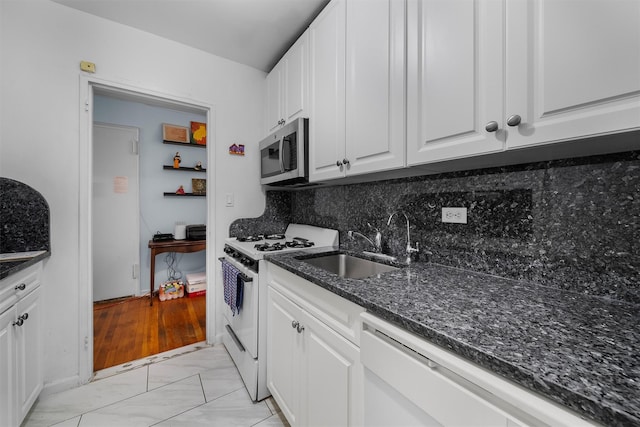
(159, 213)
(41, 45)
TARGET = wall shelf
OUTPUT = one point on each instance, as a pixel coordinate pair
(169, 167)
(184, 144)
(184, 195)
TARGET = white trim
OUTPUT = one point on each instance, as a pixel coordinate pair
(85, 292)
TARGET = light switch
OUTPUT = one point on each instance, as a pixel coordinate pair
(228, 200)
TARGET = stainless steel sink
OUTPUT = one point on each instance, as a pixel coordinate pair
(348, 266)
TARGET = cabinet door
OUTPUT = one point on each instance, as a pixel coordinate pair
(7, 378)
(375, 64)
(287, 85)
(274, 98)
(327, 97)
(331, 375)
(283, 354)
(29, 362)
(296, 79)
(454, 79)
(573, 68)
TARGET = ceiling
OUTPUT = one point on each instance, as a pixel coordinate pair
(252, 32)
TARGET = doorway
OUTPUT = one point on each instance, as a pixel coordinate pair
(116, 255)
(91, 87)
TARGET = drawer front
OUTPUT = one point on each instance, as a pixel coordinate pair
(338, 313)
(19, 285)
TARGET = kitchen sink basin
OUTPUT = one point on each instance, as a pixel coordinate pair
(348, 266)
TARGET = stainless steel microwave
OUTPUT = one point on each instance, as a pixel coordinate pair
(284, 155)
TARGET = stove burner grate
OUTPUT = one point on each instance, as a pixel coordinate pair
(299, 244)
(269, 247)
(250, 238)
(272, 247)
(274, 236)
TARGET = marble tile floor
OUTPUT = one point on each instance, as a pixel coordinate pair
(197, 385)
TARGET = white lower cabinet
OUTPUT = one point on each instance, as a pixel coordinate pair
(313, 372)
(21, 362)
(409, 381)
(329, 363)
(7, 355)
(29, 362)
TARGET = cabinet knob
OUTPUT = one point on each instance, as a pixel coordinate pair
(300, 328)
(295, 324)
(514, 120)
(22, 318)
(345, 161)
(21, 287)
(492, 126)
(338, 163)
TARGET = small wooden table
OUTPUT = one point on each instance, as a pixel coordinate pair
(180, 246)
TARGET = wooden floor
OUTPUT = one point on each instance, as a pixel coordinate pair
(130, 329)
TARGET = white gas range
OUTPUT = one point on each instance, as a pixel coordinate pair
(245, 324)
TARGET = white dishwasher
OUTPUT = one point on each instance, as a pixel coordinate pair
(411, 382)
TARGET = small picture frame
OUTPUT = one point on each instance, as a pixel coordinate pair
(173, 133)
(199, 133)
(199, 186)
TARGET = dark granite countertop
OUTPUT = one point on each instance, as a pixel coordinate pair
(9, 268)
(580, 351)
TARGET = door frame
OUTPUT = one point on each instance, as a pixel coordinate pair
(88, 86)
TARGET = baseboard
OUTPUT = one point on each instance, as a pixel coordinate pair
(62, 384)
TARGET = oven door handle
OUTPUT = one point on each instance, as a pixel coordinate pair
(235, 338)
(281, 155)
(244, 277)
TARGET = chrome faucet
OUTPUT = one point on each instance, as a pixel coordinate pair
(410, 250)
(377, 245)
(378, 239)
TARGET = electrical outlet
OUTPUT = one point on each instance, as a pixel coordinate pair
(454, 215)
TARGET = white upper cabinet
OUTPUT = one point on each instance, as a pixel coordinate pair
(454, 79)
(484, 76)
(375, 85)
(573, 68)
(357, 88)
(327, 35)
(287, 86)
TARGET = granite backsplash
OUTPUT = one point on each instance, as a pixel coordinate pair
(572, 224)
(24, 218)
